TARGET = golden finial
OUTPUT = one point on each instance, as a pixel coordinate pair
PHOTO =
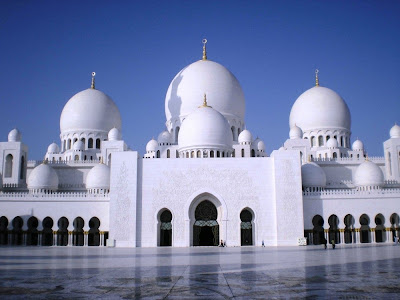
(204, 41)
(205, 101)
(93, 75)
(316, 77)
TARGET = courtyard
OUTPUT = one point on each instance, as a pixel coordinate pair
(347, 272)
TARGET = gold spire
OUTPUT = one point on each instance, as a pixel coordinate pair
(204, 101)
(316, 77)
(204, 41)
(93, 75)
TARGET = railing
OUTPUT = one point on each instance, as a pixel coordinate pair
(332, 192)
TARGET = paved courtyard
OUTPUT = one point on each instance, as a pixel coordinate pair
(348, 272)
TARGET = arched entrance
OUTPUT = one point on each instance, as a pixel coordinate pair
(165, 228)
(365, 236)
(206, 228)
(246, 228)
(334, 234)
(318, 230)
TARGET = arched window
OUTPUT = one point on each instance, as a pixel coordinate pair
(212, 153)
(253, 153)
(158, 153)
(76, 158)
(233, 132)
(97, 143)
(233, 153)
(168, 153)
(177, 154)
(320, 141)
(75, 140)
(90, 143)
(83, 141)
(334, 155)
(242, 152)
(198, 154)
(187, 154)
(218, 153)
(165, 228)
(313, 141)
(22, 168)
(176, 134)
(64, 144)
(9, 165)
(192, 154)
(327, 138)
(341, 141)
(69, 144)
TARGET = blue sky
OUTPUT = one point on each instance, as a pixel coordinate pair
(48, 50)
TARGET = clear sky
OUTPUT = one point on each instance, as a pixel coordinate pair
(48, 50)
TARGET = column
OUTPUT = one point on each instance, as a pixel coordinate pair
(341, 232)
(70, 234)
(85, 238)
(372, 232)
(357, 235)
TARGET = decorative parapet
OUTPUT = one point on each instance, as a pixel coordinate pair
(25, 196)
(375, 159)
(339, 193)
(33, 163)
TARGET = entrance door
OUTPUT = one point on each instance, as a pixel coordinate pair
(206, 228)
(246, 228)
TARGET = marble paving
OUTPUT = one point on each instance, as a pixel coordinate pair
(347, 272)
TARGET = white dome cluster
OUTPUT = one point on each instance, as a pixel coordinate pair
(98, 179)
(223, 90)
(368, 175)
(43, 178)
(313, 175)
(164, 138)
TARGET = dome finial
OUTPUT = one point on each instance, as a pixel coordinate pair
(93, 75)
(316, 77)
(205, 101)
(204, 41)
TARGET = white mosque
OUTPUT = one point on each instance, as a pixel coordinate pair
(205, 178)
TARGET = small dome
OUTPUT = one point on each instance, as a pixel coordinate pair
(53, 148)
(114, 135)
(14, 135)
(245, 137)
(332, 143)
(90, 110)
(43, 177)
(164, 137)
(368, 174)
(295, 132)
(223, 90)
(357, 146)
(98, 177)
(205, 128)
(151, 145)
(259, 144)
(79, 146)
(320, 108)
(313, 175)
(395, 132)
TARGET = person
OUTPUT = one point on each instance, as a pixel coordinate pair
(262, 243)
(222, 244)
(325, 242)
(333, 244)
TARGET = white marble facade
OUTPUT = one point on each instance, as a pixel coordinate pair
(205, 179)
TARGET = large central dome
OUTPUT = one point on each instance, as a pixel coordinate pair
(90, 110)
(223, 90)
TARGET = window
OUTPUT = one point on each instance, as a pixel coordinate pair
(158, 153)
(320, 141)
(168, 154)
(90, 143)
(9, 166)
(98, 144)
(242, 152)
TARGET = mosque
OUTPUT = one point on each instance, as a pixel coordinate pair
(205, 179)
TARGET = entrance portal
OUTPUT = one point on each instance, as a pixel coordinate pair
(206, 228)
(246, 228)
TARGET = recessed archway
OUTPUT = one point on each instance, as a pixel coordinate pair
(206, 227)
(165, 228)
(246, 227)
